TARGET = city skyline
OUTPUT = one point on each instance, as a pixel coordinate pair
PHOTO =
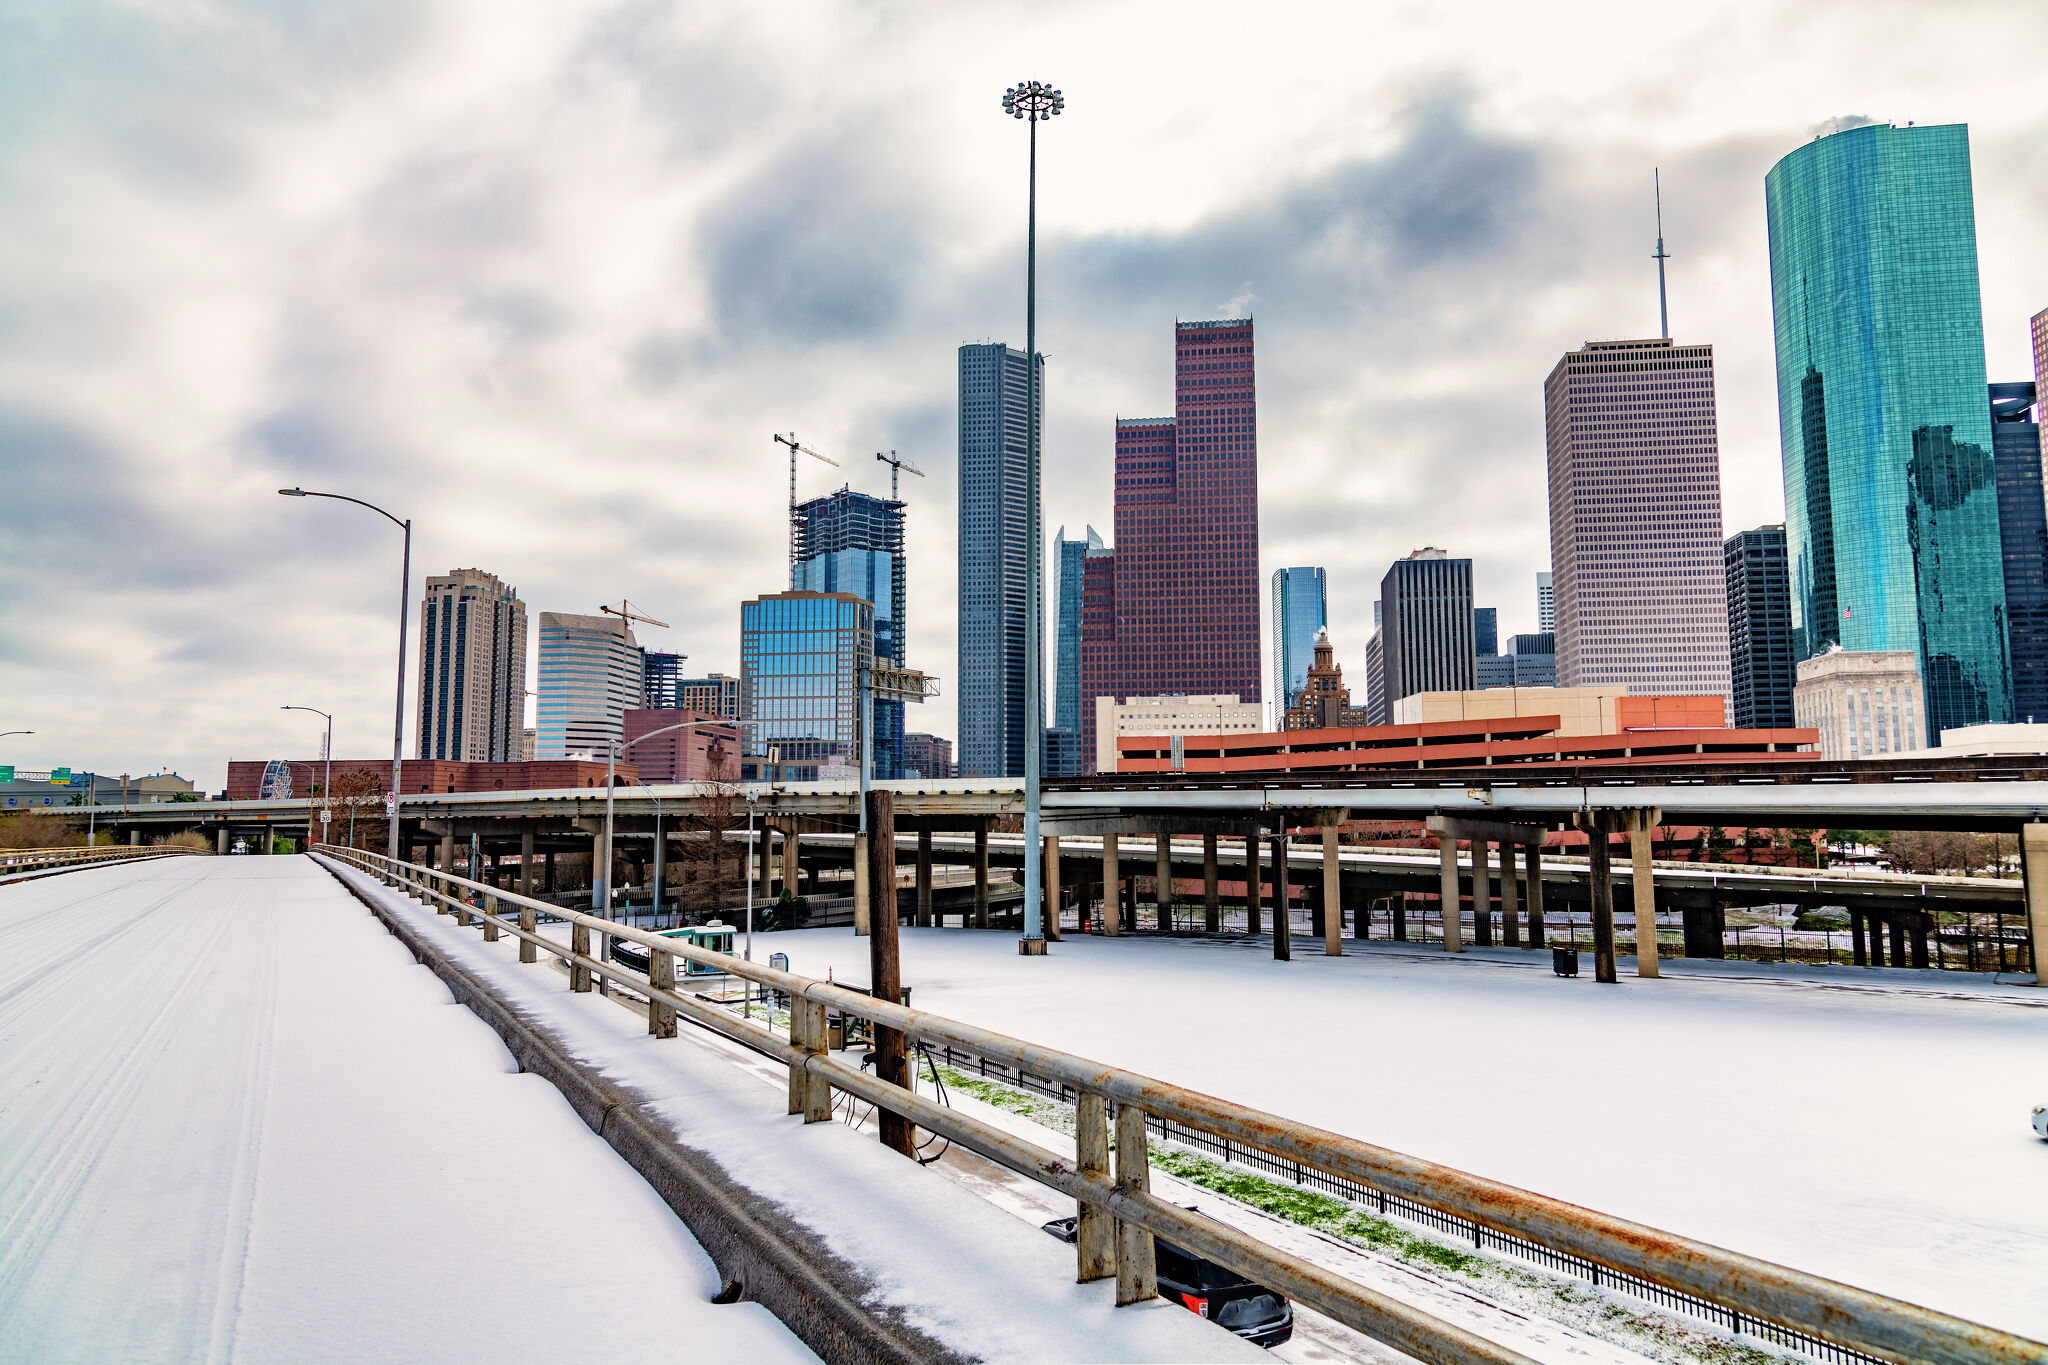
(431, 330)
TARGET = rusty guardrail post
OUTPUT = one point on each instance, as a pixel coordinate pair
(661, 974)
(490, 919)
(579, 944)
(1094, 1229)
(1137, 1277)
(530, 923)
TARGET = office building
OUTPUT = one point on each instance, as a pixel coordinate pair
(1322, 701)
(927, 756)
(702, 753)
(714, 694)
(1864, 703)
(1635, 517)
(1891, 508)
(2016, 458)
(852, 542)
(801, 655)
(472, 673)
(1069, 558)
(1760, 656)
(1546, 604)
(1172, 715)
(1375, 674)
(1493, 670)
(1301, 610)
(1183, 610)
(590, 676)
(661, 679)
(1486, 630)
(995, 557)
(1064, 756)
(1425, 616)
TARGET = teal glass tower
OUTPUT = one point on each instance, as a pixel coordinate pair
(1891, 507)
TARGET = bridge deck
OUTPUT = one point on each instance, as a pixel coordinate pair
(236, 1119)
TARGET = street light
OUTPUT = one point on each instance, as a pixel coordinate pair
(1034, 102)
(327, 772)
(404, 608)
(600, 877)
(5, 733)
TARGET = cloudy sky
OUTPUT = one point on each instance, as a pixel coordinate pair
(545, 277)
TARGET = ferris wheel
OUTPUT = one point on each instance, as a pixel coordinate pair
(277, 781)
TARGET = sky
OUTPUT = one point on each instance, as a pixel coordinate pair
(546, 278)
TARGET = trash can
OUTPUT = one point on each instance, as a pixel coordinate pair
(1564, 961)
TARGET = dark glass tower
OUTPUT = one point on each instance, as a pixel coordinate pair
(1426, 628)
(995, 545)
(2023, 539)
(1760, 659)
(852, 542)
(1892, 511)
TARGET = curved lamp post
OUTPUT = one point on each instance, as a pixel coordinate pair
(5, 733)
(404, 607)
(1035, 102)
(327, 772)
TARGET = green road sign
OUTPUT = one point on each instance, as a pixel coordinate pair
(61, 776)
(6, 772)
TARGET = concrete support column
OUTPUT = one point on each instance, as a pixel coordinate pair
(2034, 872)
(1919, 940)
(220, 840)
(548, 872)
(1645, 890)
(1051, 920)
(923, 919)
(599, 873)
(1510, 911)
(1532, 864)
(861, 916)
(1283, 942)
(981, 875)
(1162, 879)
(793, 859)
(1482, 894)
(1212, 903)
(446, 862)
(1897, 925)
(135, 838)
(763, 889)
(1876, 940)
(1253, 890)
(1857, 953)
(1601, 884)
(1112, 886)
(1333, 896)
(1447, 889)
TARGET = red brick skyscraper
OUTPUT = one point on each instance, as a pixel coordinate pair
(1182, 612)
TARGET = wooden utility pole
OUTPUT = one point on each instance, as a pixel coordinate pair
(885, 963)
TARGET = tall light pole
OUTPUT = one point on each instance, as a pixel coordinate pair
(327, 771)
(1034, 102)
(404, 609)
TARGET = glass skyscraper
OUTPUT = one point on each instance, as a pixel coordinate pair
(852, 542)
(1891, 507)
(800, 660)
(1069, 561)
(661, 679)
(995, 545)
(1301, 609)
(1760, 662)
(2023, 539)
(590, 676)
(1425, 628)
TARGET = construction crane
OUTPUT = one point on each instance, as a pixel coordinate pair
(795, 449)
(896, 464)
(624, 611)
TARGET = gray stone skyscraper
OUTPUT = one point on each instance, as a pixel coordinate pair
(1635, 518)
(472, 695)
(995, 546)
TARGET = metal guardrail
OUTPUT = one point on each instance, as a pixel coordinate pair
(35, 859)
(1118, 1214)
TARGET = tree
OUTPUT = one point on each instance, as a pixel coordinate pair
(359, 790)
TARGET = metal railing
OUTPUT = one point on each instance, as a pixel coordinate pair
(1118, 1214)
(35, 859)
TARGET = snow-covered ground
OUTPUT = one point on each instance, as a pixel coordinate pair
(1871, 1127)
(968, 1273)
(238, 1121)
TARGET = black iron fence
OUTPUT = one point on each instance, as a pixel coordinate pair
(1465, 1231)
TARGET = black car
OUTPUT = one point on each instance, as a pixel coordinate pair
(1225, 1297)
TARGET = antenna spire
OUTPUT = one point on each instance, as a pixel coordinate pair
(1661, 256)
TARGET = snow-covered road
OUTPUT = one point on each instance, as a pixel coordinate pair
(1875, 1134)
(238, 1122)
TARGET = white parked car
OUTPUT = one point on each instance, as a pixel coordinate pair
(2041, 1121)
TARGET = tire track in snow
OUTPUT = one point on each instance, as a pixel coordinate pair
(242, 1185)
